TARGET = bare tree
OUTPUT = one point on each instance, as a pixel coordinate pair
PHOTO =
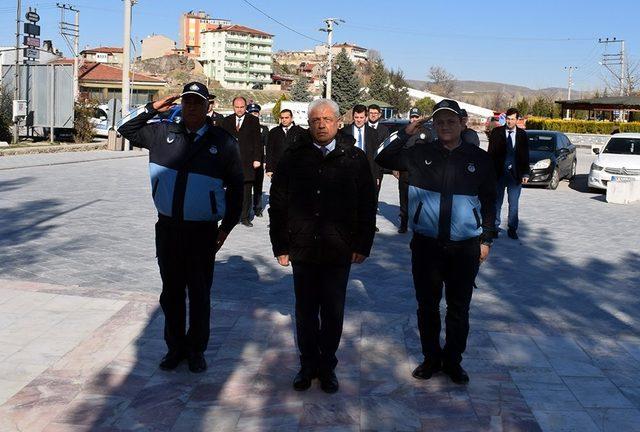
(441, 82)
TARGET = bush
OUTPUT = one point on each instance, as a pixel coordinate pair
(82, 127)
(580, 126)
(5, 115)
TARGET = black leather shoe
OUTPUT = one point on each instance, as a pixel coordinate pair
(427, 368)
(171, 360)
(329, 382)
(197, 363)
(258, 212)
(377, 229)
(402, 230)
(456, 373)
(246, 223)
(512, 234)
(302, 380)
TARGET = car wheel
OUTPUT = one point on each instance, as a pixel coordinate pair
(573, 169)
(555, 179)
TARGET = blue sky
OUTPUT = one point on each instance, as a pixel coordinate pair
(513, 42)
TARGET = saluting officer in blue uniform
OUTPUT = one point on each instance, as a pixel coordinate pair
(452, 195)
(196, 183)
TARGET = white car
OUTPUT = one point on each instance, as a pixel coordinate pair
(99, 121)
(619, 158)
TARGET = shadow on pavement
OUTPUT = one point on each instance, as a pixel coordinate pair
(253, 357)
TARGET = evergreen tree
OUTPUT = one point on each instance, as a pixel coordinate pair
(397, 93)
(378, 82)
(299, 90)
(345, 86)
(523, 107)
(425, 105)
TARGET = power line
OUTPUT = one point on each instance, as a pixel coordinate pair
(282, 24)
(467, 36)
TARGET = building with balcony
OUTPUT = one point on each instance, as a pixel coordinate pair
(236, 56)
(192, 24)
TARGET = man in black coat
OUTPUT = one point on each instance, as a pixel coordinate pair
(280, 138)
(374, 112)
(254, 109)
(196, 182)
(509, 149)
(322, 219)
(246, 129)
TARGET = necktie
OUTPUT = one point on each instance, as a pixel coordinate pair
(325, 151)
(286, 129)
(238, 123)
(509, 140)
(360, 138)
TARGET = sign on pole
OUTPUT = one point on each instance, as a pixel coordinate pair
(32, 16)
(31, 29)
(32, 41)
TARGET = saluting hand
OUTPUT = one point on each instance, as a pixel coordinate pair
(413, 128)
(165, 104)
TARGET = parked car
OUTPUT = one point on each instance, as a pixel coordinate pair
(99, 121)
(552, 157)
(619, 158)
(492, 122)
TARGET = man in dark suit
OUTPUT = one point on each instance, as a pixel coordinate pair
(280, 138)
(366, 140)
(246, 129)
(322, 219)
(254, 109)
(509, 149)
(374, 113)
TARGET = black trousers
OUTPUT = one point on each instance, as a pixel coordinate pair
(246, 201)
(186, 253)
(257, 189)
(320, 294)
(403, 192)
(454, 265)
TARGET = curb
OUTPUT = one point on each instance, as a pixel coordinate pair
(62, 148)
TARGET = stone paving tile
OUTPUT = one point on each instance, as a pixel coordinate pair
(518, 350)
(614, 419)
(565, 421)
(597, 393)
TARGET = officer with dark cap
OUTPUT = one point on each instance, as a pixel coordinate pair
(254, 109)
(196, 185)
(452, 203)
(468, 135)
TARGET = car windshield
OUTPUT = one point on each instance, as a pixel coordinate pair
(623, 146)
(545, 143)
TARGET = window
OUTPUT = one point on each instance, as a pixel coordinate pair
(542, 142)
(623, 146)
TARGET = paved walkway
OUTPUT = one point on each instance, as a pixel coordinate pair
(554, 343)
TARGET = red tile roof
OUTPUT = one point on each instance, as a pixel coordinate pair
(104, 72)
(108, 50)
(236, 29)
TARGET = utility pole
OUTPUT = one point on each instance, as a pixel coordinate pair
(16, 89)
(329, 30)
(570, 84)
(126, 59)
(72, 31)
(617, 59)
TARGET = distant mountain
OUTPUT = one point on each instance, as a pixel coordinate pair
(479, 88)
